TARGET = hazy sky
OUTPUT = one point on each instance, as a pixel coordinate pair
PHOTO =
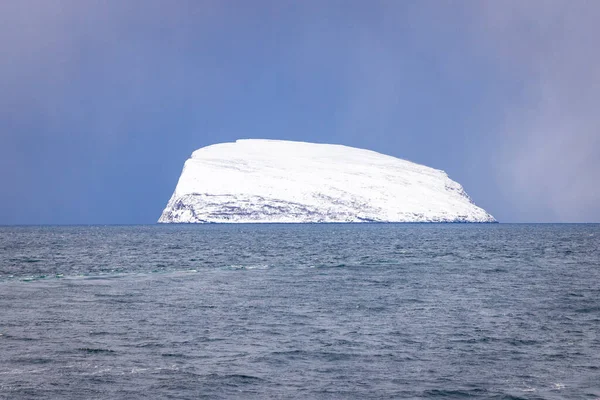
(101, 102)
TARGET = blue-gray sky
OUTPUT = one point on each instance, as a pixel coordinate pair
(101, 102)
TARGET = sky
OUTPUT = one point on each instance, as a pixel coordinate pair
(101, 102)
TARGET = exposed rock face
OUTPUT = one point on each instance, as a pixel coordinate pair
(258, 180)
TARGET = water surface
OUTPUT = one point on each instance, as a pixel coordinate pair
(300, 311)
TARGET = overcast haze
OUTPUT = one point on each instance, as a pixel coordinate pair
(101, 102)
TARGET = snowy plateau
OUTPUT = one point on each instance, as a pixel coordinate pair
(257, 180)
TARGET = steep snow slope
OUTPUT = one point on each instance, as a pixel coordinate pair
(257, 180)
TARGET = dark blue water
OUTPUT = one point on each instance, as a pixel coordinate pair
(300, 311)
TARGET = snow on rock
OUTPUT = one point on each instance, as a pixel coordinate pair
(256, 180)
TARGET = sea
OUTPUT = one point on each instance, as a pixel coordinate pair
(286, 311)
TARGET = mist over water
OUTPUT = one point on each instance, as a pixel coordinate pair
(300, 311)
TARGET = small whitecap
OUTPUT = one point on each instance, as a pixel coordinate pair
(248, 267)
(262, 266)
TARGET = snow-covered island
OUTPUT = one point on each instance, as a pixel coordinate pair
(256, 180)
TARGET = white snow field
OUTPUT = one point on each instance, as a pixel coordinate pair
(258, 180)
